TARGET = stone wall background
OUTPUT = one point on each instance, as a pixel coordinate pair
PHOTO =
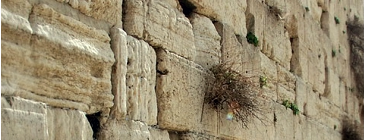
(138, 69)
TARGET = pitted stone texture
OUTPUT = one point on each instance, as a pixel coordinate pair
(309, 62)
(126, 129)
(273, 39)
(269, 70)
(140, 81)
(158, 23)
(133, 77)
(25, 119)
(237, 53)
(229, 12)
(286, 79)
(68, 124)
(207, 41)
(284, 125)
(158, 134)
(64, 61)
(180, 88)
(107, 10)
(18, 7)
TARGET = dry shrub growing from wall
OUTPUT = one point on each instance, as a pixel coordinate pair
(236, 93)
(355, 30)
(351, 130)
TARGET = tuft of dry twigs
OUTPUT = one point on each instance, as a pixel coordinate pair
(350, 130)
(355, 30)
(235, 91)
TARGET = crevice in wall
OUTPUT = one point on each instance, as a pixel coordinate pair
(325, 22)
(94, 123)
(187, 7)
(250, 22)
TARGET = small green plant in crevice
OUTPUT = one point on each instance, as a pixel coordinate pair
(335, 127)
(263, 81)
(351, 89)
(333, 53)
(252, 39)
(292, 106)
(337, 20)
(344, 32)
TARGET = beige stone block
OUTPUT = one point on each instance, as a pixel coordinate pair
(229, 12)
(276, 42)
(129, 129)
(207, 41)
(66, 62)
(286, 79)
(332, 90)
(158, 134)
(140, 81)
(133, 77)
(25, 119)
(17, 7)
(284, 125)
(119, 86)
(160, 24)
(180, 90)
(300, 94)
(15, 28)
(109, 11)
(195, 136)
(268, 69)
(237, 53)
(68, 124)
(284, 94)
(311, 107)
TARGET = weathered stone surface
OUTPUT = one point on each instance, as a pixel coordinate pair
(140, 81)
(133, 77)
(180, 89)
(26, 119)
(18, 7)
(158, 23)
(284, 125)
(158, 134)
(110, 10)
(228, 12)
(207, 41)
(269, 70)
(68, 124)
(64, 61)
(237, 53)
(131, 130)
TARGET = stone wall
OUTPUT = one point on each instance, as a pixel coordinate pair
(139, 69)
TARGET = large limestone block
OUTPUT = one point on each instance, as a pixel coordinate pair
(158, 134)
(284, 125)
(309, 62)
(15, 28)
(65, 63)
(158, 23)
(207, 41)
(237, 53)
(107, 10)
(129, 130)
(269, 70)
(23, 119)
(286, 79)
(229, 12)
(133, 77)
(180, 90)
(68, 124)
(18, 7)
